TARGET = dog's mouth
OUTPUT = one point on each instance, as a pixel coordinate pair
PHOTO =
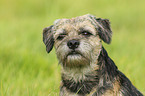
(75, 59)
(73, 53)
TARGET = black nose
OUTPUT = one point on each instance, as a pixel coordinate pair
(73, 44)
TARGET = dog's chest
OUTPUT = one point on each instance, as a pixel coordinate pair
(86, 84)
(80, 82)
(110, 92)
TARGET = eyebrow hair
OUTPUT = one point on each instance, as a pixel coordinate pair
(81, 29)
(63, 32)
(60, 31)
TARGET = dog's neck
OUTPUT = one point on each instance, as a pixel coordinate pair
(79, 81)
(99, 74)
(78, 74)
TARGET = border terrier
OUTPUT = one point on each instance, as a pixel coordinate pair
(86, 70)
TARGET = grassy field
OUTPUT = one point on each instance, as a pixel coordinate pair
(25, 67)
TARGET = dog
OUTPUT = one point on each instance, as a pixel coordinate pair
(86, 70)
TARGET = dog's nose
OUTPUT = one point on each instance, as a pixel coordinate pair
(73, 44)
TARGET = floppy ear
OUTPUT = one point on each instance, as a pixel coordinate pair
(48, 38)
(104, 30)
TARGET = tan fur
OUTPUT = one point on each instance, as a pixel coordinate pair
(111, 92)
(115, 91)
(90, 48)
(87, 70)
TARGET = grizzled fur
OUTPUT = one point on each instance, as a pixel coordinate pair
(87, 70)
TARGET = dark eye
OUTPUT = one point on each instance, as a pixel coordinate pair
(60, 37)
(86, 33)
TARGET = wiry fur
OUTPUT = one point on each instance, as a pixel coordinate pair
(90, 72)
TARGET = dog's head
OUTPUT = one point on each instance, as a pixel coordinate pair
(78, 40)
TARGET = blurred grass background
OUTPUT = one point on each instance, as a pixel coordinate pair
(25, 67)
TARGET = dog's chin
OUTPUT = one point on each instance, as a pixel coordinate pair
(75, 59)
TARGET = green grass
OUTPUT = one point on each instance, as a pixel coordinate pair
(25, 67)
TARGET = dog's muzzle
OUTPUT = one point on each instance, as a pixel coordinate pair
(73, 46)
(74, 53)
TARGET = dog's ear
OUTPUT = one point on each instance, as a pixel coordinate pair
(48, 38)
(104, 30)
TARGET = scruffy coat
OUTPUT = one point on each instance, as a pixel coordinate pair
(90, 71)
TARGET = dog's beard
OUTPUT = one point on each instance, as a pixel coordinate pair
(74, 58)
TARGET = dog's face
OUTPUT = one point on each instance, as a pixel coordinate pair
(78, 40)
